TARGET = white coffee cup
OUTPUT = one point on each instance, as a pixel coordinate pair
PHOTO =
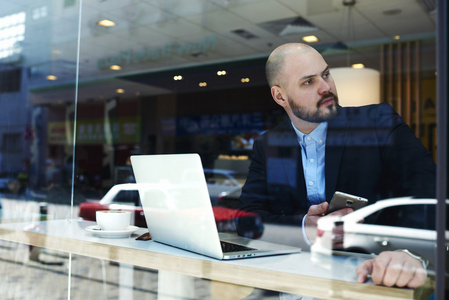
(113, 219)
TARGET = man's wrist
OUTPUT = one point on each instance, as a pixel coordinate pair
(422, 260)
(304, 234)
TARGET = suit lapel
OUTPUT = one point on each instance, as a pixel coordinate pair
(292, 166)
(337, 133)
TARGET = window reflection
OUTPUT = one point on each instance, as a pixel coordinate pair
(12, 32)
(154, 83)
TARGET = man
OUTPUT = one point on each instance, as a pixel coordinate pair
(322, 148)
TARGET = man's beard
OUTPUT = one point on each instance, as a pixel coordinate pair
(320, 114)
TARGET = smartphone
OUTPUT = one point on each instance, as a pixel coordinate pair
(342, 200)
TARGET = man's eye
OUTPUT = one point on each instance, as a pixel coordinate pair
(308, 82)
(325, 75)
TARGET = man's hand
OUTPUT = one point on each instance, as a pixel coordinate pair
(392, 268)
(317, 211)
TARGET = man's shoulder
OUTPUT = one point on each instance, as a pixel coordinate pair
(380, 107)
(280, 135)
(282, 127)
(366, 114)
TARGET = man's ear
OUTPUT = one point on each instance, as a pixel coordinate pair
(278, 96)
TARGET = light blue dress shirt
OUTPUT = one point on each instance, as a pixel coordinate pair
(313, 147)
(312, 151)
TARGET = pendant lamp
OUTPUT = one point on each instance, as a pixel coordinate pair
(355, 86)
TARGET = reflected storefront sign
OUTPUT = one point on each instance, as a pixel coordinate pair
(123, 130)
(219, 124)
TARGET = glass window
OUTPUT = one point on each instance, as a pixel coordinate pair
(87, 84)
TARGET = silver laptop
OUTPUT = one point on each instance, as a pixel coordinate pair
(178, 210)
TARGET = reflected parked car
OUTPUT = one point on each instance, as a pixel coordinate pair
(400, 223)
(223, 183)
(126, 197)
(230, 199)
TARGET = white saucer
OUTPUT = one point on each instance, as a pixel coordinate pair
(112, 234)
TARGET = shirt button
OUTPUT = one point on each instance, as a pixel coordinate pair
(308, 138)
(321, 141)
(312, 160)
(310, 182)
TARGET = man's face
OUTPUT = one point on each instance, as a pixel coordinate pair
(309, 87)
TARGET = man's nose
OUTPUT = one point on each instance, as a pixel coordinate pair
(324, 86)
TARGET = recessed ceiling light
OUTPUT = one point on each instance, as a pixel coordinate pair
(310, 39)
(106, 23)
(52, 77)
(202, 84)
(397, 37)
(244, 80)
(358, 66)
(177, 77)
(115, 67)
(120, 91)
(221, 73)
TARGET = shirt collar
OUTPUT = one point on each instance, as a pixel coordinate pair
(318, 134)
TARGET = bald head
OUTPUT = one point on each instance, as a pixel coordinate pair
(277, 58)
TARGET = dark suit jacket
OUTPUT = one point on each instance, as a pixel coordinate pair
(370, 152)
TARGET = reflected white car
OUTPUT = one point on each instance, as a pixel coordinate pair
(126, 197)
(400, 223)
(221, 182)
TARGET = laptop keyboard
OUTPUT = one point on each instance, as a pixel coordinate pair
(230, 247)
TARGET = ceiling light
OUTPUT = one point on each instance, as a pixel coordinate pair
(52, 77)
(397, 37)
(221, 73)
(120, 91)
(310, 39)
(177, 77)
(202, 84)
(358, 66)
(106, 23)
(115, 67)
(244, 80)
